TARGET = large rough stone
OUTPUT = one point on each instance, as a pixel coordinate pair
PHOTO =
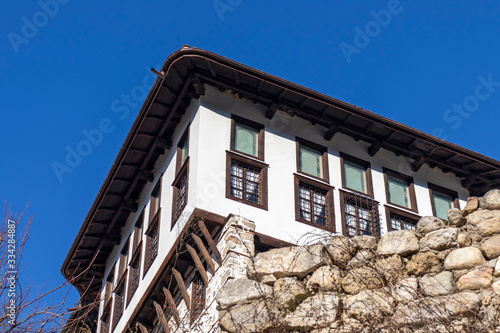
(423, 263)
(368, 304)
(253, 317)
(241, 290)
(471, 205)
(464, 258)
(455, 217)
(362, 278)
(491, 247)
(325, 278)
(487, 221)
(491, 200)
(364, 242)
(287, 261)
(390, 268)
(340, 250)
(496, 287)
(361, 258)
(402, 242)
(316, 311)
(431, 309)
(427, 224)
(497, 268)
(439, 239)
(477, 279)
(405, 290)
(288, 292)
(438, 285)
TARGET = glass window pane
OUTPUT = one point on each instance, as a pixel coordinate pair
(310, 162)
(184, 151)
(245, 139)
(442, 203)
(354, 175)
(398, 192)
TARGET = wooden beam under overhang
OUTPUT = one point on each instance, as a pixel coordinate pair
(331, 132)
(130, 206)
(374, 148)
(197, 84)
(417, 164)
(142, 328)
(204, 252)
(163, 143)
(182, 287)
(171, 303)
(271, 112)
(210, 241)
(146, 175)
(469, 180)
(161, 317)
(198, 263)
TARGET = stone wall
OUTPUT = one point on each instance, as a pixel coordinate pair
(443, 277)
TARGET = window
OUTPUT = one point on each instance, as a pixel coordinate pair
(247, 137)
(360, 214)
(152, 236)
(442, 200)
(134, 275)
(123, 260)
(400, 190)
(314, 203)
(197, 297)
(312, 159)
(246, 180)
(400, 220)
(119, 304)
(155, 201)
(356, 175)
(105, 320)
(180, 184)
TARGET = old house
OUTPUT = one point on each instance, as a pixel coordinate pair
(217, 142)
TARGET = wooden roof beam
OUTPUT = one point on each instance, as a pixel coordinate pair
(334, 128)
(469, 180)
(204, 252)
(198, 264)
(182, 287)
(374, 148)
(271, 112)
(197, 84)
(210, 241)
(161, 317)
(417, 164)
(142, 328)
(171, 303)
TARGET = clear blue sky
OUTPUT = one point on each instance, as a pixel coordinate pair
(61, 72)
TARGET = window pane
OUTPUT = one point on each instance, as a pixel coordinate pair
(442, 203)
(310, 162)
(398, 192)
(245, 139)
(354, 177)
(184, 151)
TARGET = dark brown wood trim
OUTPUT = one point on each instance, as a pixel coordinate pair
(324, 157)
(182, 287)
(198, 264)
(161, 317)
(260, 136)
(210, 241)
(175, 184)
(156, 191)
(230, 156)
(182, 140)
(411, 188)
(329, 201)
(368, 172)
(142, 328)
(343, 193)
(389, 210)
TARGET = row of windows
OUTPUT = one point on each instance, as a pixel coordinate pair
(247, 182)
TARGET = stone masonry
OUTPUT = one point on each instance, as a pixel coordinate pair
(443, 277)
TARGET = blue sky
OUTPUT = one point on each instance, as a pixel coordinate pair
(65, 66)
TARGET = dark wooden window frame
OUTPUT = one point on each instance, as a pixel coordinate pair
(299, 179)
(368, 173)
(405, 214)
(153, 210)
(260, 135)
(120, 285)
(195, 313)
(411, 188)
(154, 223)
(136, 258)
(122, 266)
(242, 158)
(183, 172)
(375, 230)
(106, 321)
(444, 190)
(324, 157)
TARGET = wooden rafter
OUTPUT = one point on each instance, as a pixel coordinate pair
(204, 252)
(210, 241)
(161, 317)
(173, 307)
(182, 287)
(142, 328)
(198, 264)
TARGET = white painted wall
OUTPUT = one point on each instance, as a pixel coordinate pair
(210, 125)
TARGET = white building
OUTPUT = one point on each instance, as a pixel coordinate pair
(217, 141)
